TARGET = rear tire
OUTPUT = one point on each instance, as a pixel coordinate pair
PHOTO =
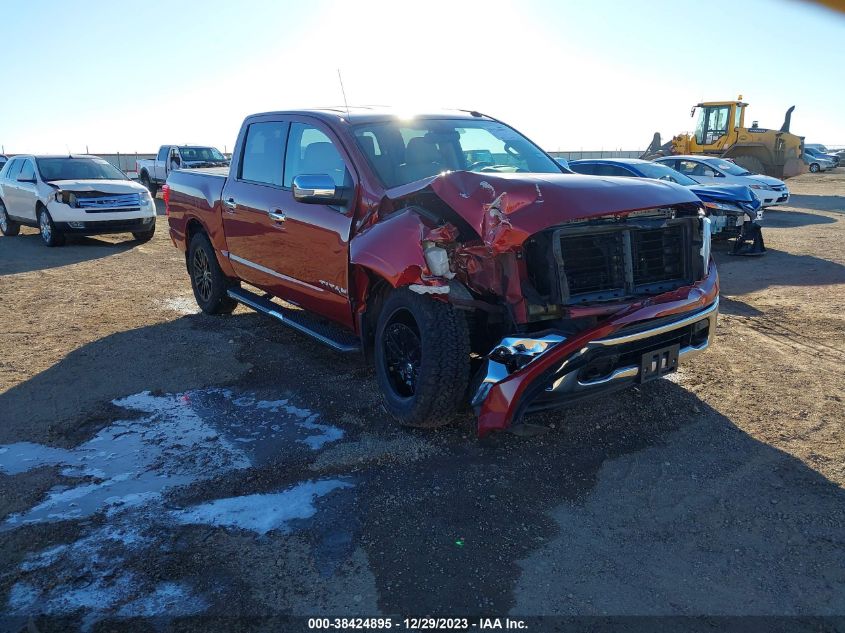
(207, 279)
(149, 184)
(8, 227)
(422, 359)
(49, 234)
(751, 163)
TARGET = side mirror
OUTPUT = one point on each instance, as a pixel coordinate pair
(709, 173)
(314, 189)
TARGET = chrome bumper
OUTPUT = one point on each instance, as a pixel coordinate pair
(499, 363)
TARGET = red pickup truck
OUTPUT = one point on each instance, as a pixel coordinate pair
(456, 254)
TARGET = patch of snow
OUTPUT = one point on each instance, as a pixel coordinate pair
(261, 513)
(180, 305)
(172, 598)
(127, 470)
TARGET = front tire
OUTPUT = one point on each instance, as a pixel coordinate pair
(814, 168)
(207, 279)
(49, 234)
(422, 359)
(8, 227)
(144, 236)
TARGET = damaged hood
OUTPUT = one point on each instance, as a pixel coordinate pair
(506, 208)
(103, 186)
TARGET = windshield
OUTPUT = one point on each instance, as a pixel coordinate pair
(78, 169)
(662, 172)
(404, 151)
(729, 168)
(201, 153)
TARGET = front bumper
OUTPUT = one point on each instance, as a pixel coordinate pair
(602, 359)
(769, 197)
(102, 227)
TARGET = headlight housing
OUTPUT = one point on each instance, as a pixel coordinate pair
(722, 206)
(145, 198)
(759, 186)
(705, 239)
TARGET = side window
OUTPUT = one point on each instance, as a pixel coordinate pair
(162, 153)
(610, 170)
(310, 151)
(13, 169)
(27, 170)
(588, 169)
(263, 151)
(686, 167)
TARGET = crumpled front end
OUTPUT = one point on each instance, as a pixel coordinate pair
(547, 267)
(642, 342)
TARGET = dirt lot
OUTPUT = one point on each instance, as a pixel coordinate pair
(158, 461)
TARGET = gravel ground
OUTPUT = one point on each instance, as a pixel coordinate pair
(155, 461)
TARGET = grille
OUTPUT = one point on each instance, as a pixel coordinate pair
(599, 265)
(657, 255)
(100, 204)
(594, 264)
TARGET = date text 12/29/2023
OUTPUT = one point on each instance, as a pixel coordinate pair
(417, 624)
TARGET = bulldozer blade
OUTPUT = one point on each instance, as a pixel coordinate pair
(793, 167)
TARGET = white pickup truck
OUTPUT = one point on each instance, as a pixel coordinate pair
(153, 172)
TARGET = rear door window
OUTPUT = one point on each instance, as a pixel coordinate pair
(13, 169)
(588, 169)
(263, 152)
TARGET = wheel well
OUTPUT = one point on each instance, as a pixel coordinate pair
(193, 227)
(378, 289)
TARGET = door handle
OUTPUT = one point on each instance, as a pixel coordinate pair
(231, 204)
(277, 215)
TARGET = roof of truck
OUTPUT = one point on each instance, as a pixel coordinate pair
(371, 114)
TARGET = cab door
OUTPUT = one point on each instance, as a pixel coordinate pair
(251, 193)
(315, 236)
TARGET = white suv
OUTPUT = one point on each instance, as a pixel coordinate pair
(84, 195)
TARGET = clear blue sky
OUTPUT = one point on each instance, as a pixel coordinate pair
(600, 74)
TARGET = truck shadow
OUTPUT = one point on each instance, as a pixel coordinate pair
(647, 502)
(740, 275)
(833, 204)
(27, 253)
(790, 219)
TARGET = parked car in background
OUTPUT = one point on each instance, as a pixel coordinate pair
(815, 153)
(153, 172)
(713, 170)
(817, 163)
(734, 210)
(84, 195)
(431, 241)
(3, 160)
(817, 146)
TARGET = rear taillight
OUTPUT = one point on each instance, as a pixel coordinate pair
(165, 193)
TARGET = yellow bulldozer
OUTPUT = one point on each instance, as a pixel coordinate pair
(720, 131)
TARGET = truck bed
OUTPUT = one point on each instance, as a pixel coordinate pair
(196, 193)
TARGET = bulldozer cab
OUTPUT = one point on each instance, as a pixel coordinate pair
(718, 124)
